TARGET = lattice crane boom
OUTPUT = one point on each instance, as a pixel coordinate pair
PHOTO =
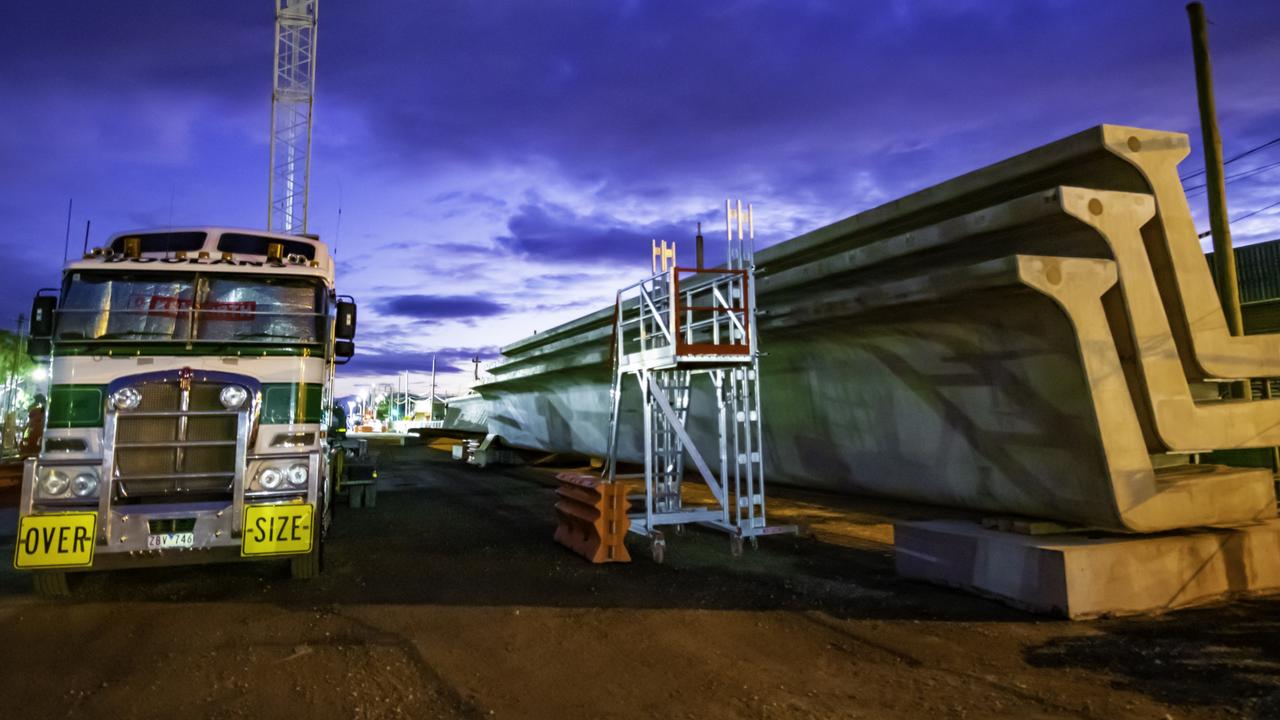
(292, 98)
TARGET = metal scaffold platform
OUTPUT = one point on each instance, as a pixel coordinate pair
(670, 329)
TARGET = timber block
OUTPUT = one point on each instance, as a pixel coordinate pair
(1095, 574)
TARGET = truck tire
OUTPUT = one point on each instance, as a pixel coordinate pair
(309, 566)
(371, 495)
(355, 496)
(52, 584)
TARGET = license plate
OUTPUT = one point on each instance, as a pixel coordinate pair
(277, 530)
(164, 541)
(56, 540)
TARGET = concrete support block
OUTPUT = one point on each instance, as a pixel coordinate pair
(1090, 575)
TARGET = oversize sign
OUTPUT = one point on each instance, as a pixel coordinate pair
(277, 530)
(56, 540)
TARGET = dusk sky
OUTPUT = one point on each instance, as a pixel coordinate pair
(502, 166)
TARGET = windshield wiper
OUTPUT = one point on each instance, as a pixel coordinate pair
(243, 336)
(132, 333)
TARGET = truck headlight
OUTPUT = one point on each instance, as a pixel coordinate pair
(270, 478)
(53, 483)
(233, 396)
(298, 475)
(126, 398)
(85, 484)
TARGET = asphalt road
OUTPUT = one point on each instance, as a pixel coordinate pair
(449, 599)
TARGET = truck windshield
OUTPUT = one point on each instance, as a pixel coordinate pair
(191, 307)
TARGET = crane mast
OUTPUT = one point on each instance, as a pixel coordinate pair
(292, 96)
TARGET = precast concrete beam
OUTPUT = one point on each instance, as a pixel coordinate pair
(1066, 221)
(1118, 488)
(1019, 340)
(1179, 423)
(1199, 324)
(1181, 497)
(1106, 157)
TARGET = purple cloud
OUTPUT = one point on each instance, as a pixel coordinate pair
(434, 307)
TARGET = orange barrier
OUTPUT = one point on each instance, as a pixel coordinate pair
(591, 517)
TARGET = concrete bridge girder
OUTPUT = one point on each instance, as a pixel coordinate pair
(930, 350)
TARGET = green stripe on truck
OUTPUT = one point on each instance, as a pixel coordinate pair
(76, 406)
(284, 403)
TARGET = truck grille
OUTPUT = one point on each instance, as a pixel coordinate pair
(164, 448)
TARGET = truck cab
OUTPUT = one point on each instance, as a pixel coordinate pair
(191, 383)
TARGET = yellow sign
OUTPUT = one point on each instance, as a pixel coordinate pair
(277, 530)
(56, 540)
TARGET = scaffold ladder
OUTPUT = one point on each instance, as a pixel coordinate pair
(668, 330)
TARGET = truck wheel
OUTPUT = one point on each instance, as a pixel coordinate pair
(355, 496)
(52, 585)
(371, 495)
(309, 566)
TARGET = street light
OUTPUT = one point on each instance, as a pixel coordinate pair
(39, 374)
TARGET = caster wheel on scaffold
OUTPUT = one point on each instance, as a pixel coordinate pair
(658, 546)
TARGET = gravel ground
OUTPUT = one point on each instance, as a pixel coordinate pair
(450, 600)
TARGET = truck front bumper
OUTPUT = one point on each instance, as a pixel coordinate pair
(124, 533)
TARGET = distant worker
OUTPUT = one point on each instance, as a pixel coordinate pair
(34, 431)
(9, 435)
(338, 422)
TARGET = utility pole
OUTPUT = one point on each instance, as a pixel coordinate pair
(1224, 257)
(698, 247)
(66, 240)
(431, 414)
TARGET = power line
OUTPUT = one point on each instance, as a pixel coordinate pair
(1235, 220)
(1238, 176)
(1255, 212)
(1228, 161)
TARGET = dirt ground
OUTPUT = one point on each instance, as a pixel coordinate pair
(449, 599)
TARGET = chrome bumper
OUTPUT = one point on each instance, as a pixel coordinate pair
(123, 530)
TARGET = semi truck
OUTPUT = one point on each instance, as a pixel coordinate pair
(191, 382)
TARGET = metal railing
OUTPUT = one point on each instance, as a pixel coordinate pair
(685, 315)
(670, 328)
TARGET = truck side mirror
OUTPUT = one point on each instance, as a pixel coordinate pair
(40, 331)
(39, 349)
(42, 316)
(343, 350)
(345, 325)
